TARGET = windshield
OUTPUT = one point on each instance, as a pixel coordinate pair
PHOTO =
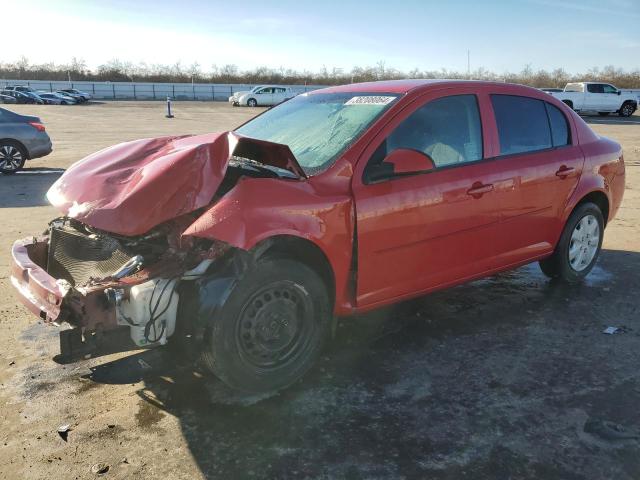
(318, 127)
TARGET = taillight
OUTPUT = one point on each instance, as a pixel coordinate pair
(37, 126)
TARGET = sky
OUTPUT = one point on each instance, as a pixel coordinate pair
(502, 36)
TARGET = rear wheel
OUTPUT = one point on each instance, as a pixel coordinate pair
(12, 157)
(626, 110)
(579, 245)
(568, 103)
(271, 329)
(252, 102)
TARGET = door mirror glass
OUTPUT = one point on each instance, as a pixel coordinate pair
(406, 161)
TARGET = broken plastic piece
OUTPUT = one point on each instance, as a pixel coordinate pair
(63, 431)
(612, 330)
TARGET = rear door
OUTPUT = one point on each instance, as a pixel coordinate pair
(419, 232)
(279, 95)
(594, 99)
(610, 99)
(538, 156)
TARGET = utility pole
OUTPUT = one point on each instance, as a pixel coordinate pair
(469, 64)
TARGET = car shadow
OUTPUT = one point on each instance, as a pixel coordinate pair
(480, 381)
(28, 187)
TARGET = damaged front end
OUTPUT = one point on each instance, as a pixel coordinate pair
(98, 281)
(117, 256)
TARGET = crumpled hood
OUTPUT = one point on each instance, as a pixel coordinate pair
(130, 188)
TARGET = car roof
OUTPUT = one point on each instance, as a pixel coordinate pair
(406, 86)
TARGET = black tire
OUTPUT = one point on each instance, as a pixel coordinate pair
(568, 103)
(12, 157)
(252, 102)
(627, 109)
(271, 329)
(603, 114)
(559, 265)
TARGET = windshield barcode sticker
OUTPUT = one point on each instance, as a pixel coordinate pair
(370, 100)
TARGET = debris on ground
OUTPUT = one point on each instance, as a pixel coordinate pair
(63, 431)
(614, 330)
(143, 364)
(607, 430)
(100, 468)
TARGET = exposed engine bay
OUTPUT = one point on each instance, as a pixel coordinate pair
(115, 281)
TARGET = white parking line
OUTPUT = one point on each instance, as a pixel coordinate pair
(38, 172)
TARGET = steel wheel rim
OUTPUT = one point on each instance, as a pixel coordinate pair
(273, 328)
(10, 158)
(584, 243)
(626, 110)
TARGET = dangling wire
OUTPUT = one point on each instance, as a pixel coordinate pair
(153, 317)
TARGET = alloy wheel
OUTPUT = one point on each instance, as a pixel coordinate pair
(10, 158)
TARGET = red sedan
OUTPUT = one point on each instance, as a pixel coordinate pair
(246, 245)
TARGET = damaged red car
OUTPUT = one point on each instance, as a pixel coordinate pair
(248, 244)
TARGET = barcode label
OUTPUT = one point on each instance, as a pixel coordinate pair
(370, 100)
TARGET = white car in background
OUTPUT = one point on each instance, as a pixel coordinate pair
(262, 95)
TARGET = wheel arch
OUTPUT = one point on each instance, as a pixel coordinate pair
(25, 150)
(302, 250)
(599, 197)
(568, 103)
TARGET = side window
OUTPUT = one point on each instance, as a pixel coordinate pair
(522, 123)
(559, 126)
(447, 129)
(595, 88)
(609, 89)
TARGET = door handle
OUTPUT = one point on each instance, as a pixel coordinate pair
(564, 171)
(478, 189)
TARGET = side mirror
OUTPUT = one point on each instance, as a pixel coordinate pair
(407, 161)
(619, 92)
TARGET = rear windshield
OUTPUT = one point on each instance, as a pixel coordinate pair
(318, 127)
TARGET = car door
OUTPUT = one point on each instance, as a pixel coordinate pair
(540, 159)
(278, 95)
(610, 98)
(594, 99)
(418, 232)
(264, 96)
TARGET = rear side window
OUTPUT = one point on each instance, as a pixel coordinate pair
(523, 125)
(595, 88)
(447, 129)
(559, 126)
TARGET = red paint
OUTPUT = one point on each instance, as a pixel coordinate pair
(414, 234)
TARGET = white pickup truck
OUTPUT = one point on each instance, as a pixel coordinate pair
(598, 97)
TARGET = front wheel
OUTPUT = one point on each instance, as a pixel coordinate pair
(271, 329)
(579, 246)
(252, 102)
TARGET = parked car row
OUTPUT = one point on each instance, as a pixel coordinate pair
(22, 137)
(26, 94)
